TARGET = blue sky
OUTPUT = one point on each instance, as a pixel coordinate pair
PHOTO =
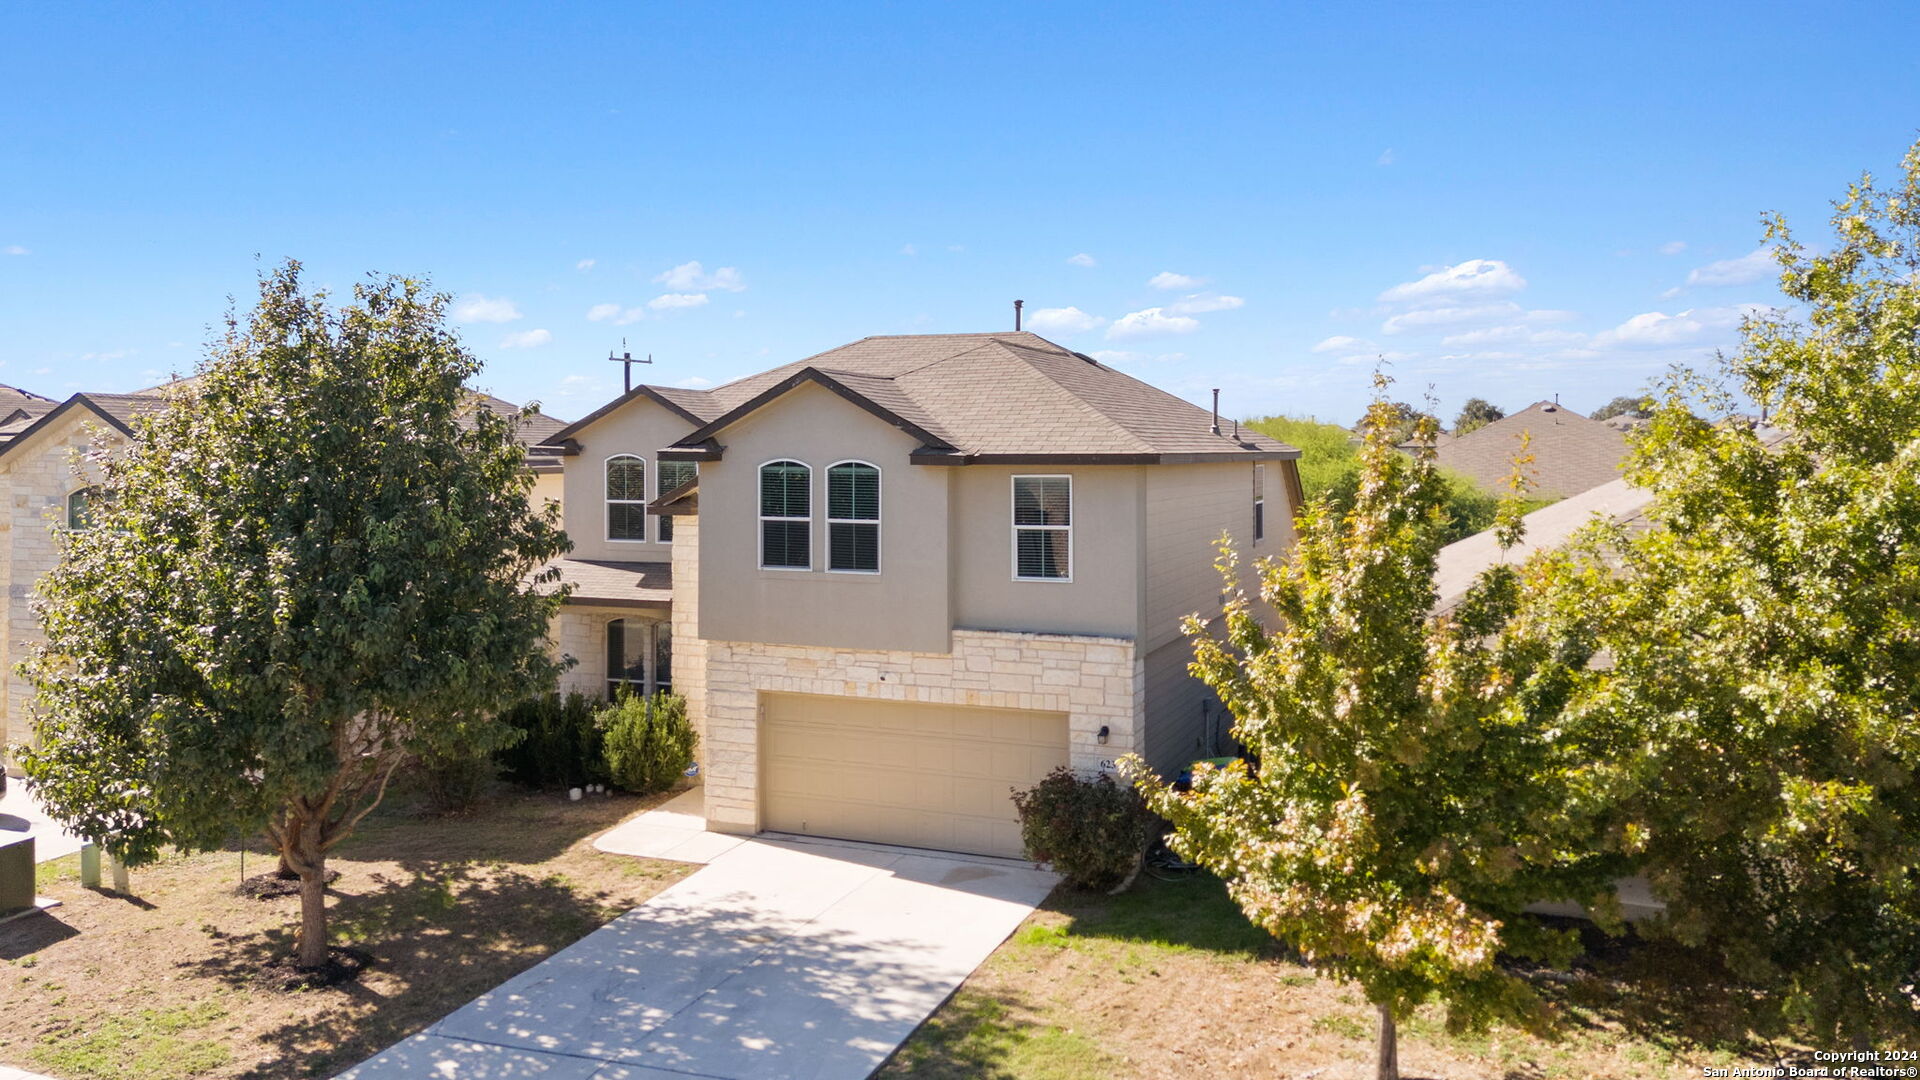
(1513, 201)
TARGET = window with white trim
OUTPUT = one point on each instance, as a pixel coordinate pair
(671, 475)
(1259, 503)
(853, 518)
(626, 498)
(786, 516)
(80, 505)
(1043, 528)
(626, 658)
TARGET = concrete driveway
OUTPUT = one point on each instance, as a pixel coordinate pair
(20, 813)
(782, 957)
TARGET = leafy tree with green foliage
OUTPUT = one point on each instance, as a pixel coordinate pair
(315, 563)
(1765, 636)
(1401, 419)
(1330, 466)
(1634, 405)
(1407, 800)
(1476, 414)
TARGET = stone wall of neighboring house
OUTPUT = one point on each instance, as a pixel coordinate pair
(1097, 681)
(37, 478)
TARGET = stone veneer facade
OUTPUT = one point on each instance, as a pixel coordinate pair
(1097, 681)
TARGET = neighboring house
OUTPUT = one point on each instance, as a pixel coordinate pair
(47, 484)
(902, 577)
(1548, 527)
(1570, 452)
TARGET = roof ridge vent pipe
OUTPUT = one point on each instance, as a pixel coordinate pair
(1216, 410)
(1017, 305)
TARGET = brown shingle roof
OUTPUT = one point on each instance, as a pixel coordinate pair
(987, 397)
(1571, 453)
(617, 584)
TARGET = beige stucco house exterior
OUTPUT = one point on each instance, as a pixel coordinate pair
(46, 475)
(901, 577)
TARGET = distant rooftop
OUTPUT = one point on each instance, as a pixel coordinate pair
(1571, 453)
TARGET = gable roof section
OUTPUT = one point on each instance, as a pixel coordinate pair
(991, 398)
(693, 406)
(118, 410)
(1571, 453)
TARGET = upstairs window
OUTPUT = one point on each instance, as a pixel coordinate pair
(626, 498)
(1259, 503)
(786, 516)
(673, 474)
(1043, 528)
(80, 506)
(853, 518)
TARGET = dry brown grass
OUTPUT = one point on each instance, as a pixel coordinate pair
(1169, 980)
(163, 985)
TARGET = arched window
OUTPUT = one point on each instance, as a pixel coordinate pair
(786, 516)
(80, 507)
(853, 518)
(626, 498)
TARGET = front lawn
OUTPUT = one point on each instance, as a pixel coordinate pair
(165, 985)
(1170, 980)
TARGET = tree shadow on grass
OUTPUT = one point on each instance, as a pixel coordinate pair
(511, 826)
(438, 938)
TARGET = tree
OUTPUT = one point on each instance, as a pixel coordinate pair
(1407, 800)
(1476, 414)
(1401, 419)
(314, 563)
(1638, 406)
(1766, 638)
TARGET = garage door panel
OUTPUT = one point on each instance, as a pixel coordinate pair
(903, 773)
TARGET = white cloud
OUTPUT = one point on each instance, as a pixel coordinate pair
(1673, 247)
(1341, 343)
(691, 277)
(1167, 279)
(477, 308)
(1201, 303)
(526, 339)
(1386, 157)
(16, 249)
(615, 314)
(1151, 321)
(1082, 259)
(1656, 328)
(1473, 278)
(1067, 320)
(586, 264)
(1413, 322)
(1518, 334)
(676, 301)
(1744, 270)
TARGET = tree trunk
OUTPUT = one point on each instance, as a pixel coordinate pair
(311, 945)
(1388, 1066)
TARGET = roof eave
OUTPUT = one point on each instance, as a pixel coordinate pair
(925, 457)
(705, 434)
(28, 432)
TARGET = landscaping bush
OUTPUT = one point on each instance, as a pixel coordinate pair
(648, 741)
(562, 744)
(454, 783)
(1092, 830)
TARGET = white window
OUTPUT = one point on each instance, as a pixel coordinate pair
(786, 516)
(626, 658)
(1043, 528)
(853, 518)
(1259, 503)
(626, 498)
(639, 658)
(80, 507)
(671, 475)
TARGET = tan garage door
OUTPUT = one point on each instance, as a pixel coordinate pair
(932, 776)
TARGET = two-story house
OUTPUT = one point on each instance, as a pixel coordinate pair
(898, 579)
(47, 482)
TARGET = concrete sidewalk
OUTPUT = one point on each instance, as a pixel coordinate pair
(20, 813)
(783, 957)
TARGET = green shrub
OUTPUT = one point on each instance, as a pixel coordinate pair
(454, 783)
(1092, 830)
(648, 741)
(561, 747)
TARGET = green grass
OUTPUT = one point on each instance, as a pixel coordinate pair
(46, 873)
(149, 1044)
(976, 1036)
(1179, 916)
